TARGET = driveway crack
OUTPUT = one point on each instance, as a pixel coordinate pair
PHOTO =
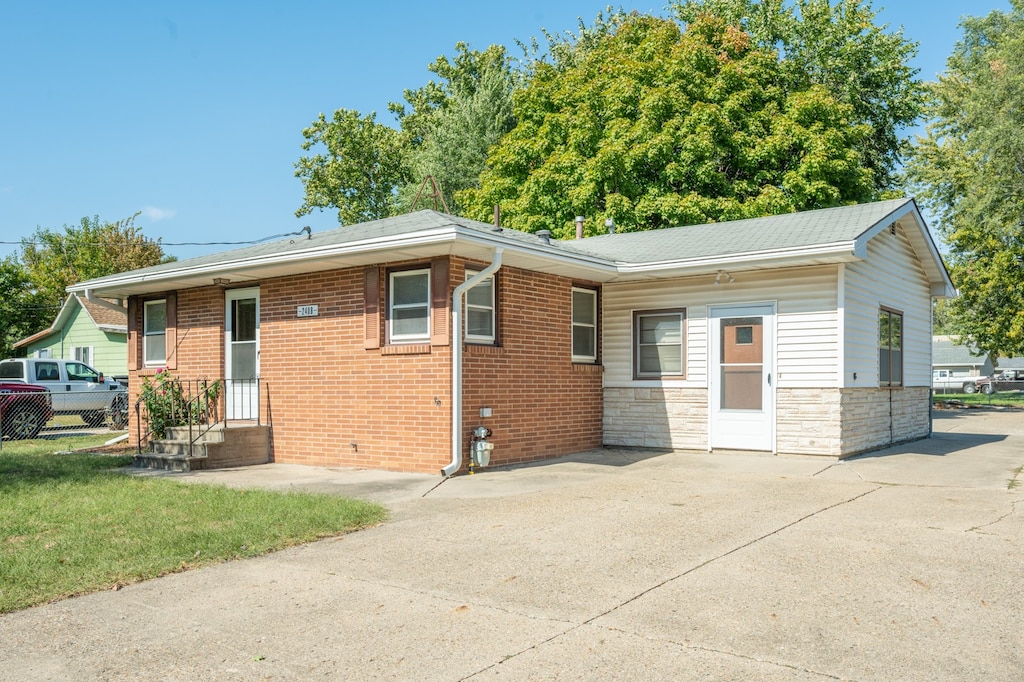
(685, 573)
(1013, 510)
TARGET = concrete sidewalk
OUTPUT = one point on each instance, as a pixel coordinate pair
(905, 564)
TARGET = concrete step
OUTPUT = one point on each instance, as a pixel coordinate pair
(166, 446)
(236, 445)
(213, 434)
(162, 462)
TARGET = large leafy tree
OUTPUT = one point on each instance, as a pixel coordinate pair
(654, 127)
(838, 45)
(968, 169)
(366, 169)
(358, 165)
(55, 259)
(22, 310)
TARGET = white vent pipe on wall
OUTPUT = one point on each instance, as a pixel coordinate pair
(458, 298)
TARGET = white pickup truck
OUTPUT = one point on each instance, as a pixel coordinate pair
(75, 388)
(946, 380)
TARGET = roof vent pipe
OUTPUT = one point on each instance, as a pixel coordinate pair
(457, 300)
(610, 224)
(579, 227)
(545, 235)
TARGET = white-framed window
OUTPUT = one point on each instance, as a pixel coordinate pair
(43, 353)
(82, 354)
(154, 332)
(584, 325)
(480, 318)
(890, 347)
(409, 306)
(658, 344)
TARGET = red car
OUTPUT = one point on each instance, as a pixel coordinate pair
(1007, 380)
(24, 409)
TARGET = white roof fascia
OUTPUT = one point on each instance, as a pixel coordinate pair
(550, 252)
(450, 233)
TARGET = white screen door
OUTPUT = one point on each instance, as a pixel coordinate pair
(742, 394)
(242, 353)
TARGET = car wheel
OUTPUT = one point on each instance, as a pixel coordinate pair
(94, 419)
(22, 422)
(970, 387)
(988, 389)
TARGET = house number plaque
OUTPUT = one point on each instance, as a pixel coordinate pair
(308, 311)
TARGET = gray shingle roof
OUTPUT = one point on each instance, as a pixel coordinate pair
(946, 352)
(754, 235)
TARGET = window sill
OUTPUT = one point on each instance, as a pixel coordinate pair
(589, 367)
(406, 349)
(471, 348)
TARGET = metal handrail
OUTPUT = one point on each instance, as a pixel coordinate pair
(201, 404)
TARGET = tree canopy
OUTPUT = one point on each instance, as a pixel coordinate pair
(22, 311)
(368, 170)
(968, 169)
(33, 282)
(56, 259)
(731, 109)
(838, 45)
(654, 127)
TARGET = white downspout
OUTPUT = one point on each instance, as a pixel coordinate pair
(89, 296)
(457, 299)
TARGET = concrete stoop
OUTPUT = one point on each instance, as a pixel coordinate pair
(219, 448)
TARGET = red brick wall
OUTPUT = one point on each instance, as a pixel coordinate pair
(332, 401)
(542, 405)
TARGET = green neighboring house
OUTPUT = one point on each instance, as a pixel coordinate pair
(88, 332)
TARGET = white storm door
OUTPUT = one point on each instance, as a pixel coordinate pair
(741, 377)
(242, 353)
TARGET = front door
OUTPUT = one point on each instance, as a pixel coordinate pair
(742, 396)
(242, 353)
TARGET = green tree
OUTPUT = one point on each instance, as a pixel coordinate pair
(56, 259)
(22, 310)
(367, 170)
(968, 169)
(840, 47)
(653, 127)
(358, 169)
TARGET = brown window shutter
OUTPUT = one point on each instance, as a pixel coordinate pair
(133, 333)
(439, 317)
(172, 331)
(371, 307)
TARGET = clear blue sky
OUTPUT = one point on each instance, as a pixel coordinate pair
(192, 112)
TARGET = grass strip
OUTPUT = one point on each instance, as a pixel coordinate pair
(71, 523)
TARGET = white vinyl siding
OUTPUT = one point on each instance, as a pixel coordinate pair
(807, 338)
(892, 278)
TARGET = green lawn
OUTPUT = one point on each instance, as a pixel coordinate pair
(1006, 399)
(71, 523)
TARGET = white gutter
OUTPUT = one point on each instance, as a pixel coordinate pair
(457, 299)
(89, 296)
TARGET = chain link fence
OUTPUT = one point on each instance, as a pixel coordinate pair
(33, 412)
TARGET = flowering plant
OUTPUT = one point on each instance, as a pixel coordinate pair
(167, 404)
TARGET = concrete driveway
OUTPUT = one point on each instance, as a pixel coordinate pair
(902, 565)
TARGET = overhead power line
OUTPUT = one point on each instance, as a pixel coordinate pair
(305, 230)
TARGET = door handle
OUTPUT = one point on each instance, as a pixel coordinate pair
(769, 378)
